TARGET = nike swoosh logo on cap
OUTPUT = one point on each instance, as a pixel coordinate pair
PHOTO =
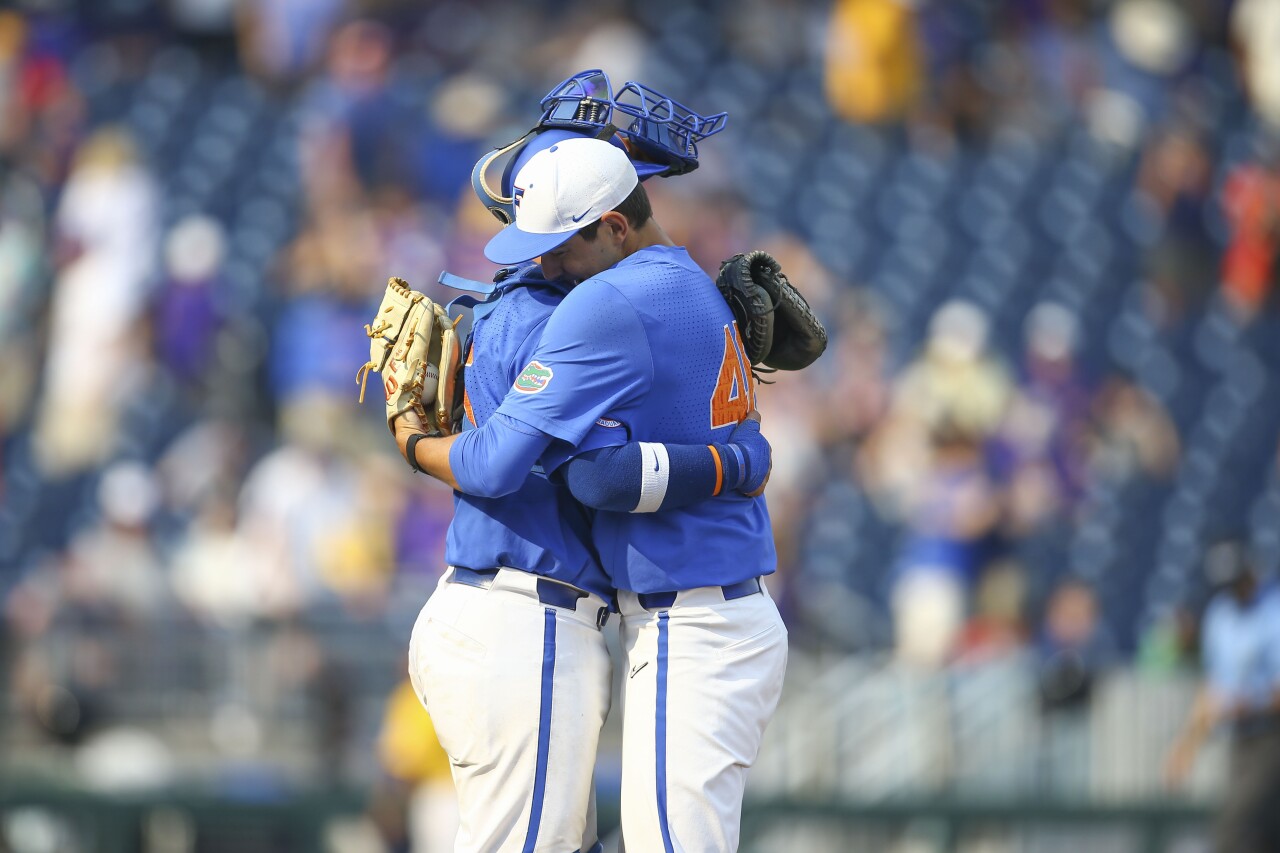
(579, 217)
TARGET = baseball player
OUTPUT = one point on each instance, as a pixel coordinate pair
(508, 653)
(643, 348)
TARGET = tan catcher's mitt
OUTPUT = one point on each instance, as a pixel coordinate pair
(413, 344)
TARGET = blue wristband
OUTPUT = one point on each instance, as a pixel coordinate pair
(742, 466)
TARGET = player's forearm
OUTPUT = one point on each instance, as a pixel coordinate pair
(495, 459)
(430, 455)
(645, 477)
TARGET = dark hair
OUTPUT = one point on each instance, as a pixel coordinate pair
(635, 208)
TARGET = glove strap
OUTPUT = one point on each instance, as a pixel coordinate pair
(411, 451)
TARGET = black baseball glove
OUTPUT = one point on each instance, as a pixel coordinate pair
(778, 327)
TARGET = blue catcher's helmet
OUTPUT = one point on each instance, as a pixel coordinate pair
(660, 135)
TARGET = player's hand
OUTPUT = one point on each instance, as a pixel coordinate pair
(756, 453)
(407, 423)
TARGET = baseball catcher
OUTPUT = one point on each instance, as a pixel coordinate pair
(412, 343)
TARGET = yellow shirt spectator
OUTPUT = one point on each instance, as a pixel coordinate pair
(873, 69)
(407, 745)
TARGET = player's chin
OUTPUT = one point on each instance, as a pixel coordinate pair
(552, 269)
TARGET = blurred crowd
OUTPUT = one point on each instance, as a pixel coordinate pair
(201, 200)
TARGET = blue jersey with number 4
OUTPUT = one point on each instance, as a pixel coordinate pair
(648, 351)
(540, 527)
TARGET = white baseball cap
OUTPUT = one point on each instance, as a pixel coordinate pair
(560, 190)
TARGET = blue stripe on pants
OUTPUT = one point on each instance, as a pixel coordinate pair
(544, 728)
(660, 735)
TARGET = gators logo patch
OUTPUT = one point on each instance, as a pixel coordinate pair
(533, 378)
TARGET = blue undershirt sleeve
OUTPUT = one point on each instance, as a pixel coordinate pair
(495, 459)
(616, 478)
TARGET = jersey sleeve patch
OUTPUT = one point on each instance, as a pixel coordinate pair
(535, 377)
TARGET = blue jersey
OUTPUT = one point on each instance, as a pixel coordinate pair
(648, 351)
(540, 527)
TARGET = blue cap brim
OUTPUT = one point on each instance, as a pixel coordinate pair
(513, 246)
(648, 170)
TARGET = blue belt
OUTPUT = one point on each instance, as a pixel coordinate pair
(552, 592)
(663, 600)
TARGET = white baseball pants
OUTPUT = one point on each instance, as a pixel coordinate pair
(518, 690)
(704, 677)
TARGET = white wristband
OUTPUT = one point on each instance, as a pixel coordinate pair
(654, 476)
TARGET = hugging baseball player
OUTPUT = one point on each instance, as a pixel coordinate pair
(644, 351)
(508, 654)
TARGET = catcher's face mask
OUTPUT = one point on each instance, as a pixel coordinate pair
(659, 135)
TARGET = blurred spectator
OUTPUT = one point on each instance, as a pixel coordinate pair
(411, 237)
(1172, 191)
(954, 388)
(113, 569)
(13, 31)
(294, 501)
(969, 63)
(206, 461)
(461, 117)
(1251, 200)
(106, 224)
(187, 319)
(1132, 434)
(217, 573)
(1042, 438)
(41, 110)
(356, 553)
(107, 587)
(22, 267)
(282, 39)
(1241, 694)
(873, 64)
(957, 381)
(318, 332)
(356, 99)
(1073, 650)
(1061, 41)
(770, 35)
(997, 629)
(950, 526)
(1169, 643)
(859, 353)
(417, 809)
(1074, 646)
(1255, 26)
(1150, 45)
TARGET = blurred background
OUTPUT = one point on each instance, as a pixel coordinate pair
(1042, 233)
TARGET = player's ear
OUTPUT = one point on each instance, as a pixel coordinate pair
(617, 224)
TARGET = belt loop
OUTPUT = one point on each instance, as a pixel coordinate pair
(602, 617)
